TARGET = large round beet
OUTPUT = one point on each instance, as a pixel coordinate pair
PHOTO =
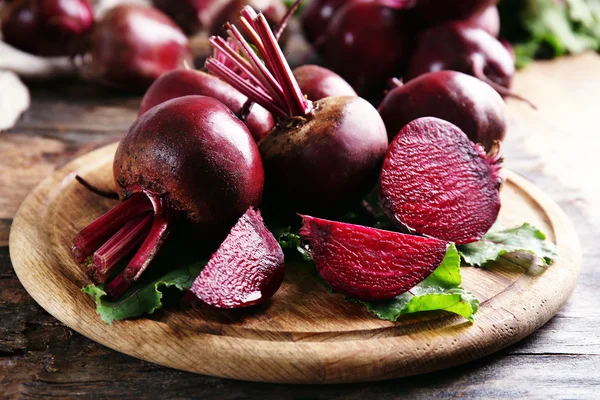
(328, 161)
(184, 82)
(467, 102)
(367, 43)
(132, 45)
(47, 27)
(196, 153)
(459, 46)
(317, 82)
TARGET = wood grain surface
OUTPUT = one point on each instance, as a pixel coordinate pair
(305, 334)
(40, 357)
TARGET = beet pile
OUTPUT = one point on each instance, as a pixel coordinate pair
(209, 148)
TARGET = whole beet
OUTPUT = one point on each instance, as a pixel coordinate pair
(47, 27)
(458, 46)
(472, 105)
(367, 43)
(184, 82)
(317, 15)
(132, 45)
(317, 82)
(488, 20)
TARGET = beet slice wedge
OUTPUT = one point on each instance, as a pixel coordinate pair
(436, 182)
(246, 270)
(367, 263)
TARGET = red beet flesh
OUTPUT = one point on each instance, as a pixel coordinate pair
(436, 182)
(133, 45)
(317, 83)
(48, 27)
(187, 159)
(183, 82)
(246, 270)
(463, 100)
(367, 263)
(458, 46)
(367, 43)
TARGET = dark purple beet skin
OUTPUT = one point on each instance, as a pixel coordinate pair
(47, 27)
(367, 263)
(436, 182)
(317, 82)
(132, 45)
(188, 159)
(488, 20)
(317, 15)
(184, 82)
(367, 43)
(434, 12)
(461, 47)
(246, 270)
(470, 104)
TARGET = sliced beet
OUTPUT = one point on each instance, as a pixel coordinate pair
(368, 263)
(438, 183)
(246, 270)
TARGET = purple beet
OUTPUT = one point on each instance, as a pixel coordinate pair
(47, 27)
(183, 82)
(367, 43)
(470, 104)
(488, 20)
(317, 16)
(438, 183)
(461, 47)
(434, 12)
(367, 263)
(246, 270)
(187, 159)
(321, 154)
(132, 45)
(317, 82)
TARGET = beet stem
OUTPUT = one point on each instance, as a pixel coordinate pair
(286, 19)
(114, 251)
(90, 238)
(102, 193)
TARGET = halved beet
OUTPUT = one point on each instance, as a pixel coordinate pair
(247, 269)
(438, 183)
(368, 263)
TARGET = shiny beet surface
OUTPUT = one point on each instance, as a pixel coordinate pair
(438, 183)
(327, 162)
(194, 153)
(488, 20)
(183, 82)
(317, 15)
(367, 263)
(133, 45)
(317, 82)
(470, 104)
(246, 270)
(461, 47)
(367, 43)
(47, 27)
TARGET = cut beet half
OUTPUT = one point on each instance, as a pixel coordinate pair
(436, 182)
(367, 263)
(246, 270)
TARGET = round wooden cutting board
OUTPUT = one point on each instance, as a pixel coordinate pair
(305, 334)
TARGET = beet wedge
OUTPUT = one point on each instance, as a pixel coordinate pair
(436, 182)
(367, 263)
(246, 270)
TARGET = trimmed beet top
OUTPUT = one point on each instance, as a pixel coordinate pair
(189, 158)
(246, 270)
(367, 263)
(438, 183)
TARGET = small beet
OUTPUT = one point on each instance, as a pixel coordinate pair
(458, 46)
(367, 263)
(246, 270)
(436, 182)
(472, 105)
(132, 45)
(184, 82)
(317, 82)
(47, 27)
(488, 20)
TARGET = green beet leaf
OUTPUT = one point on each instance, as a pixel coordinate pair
(500, 241)
(440, 291)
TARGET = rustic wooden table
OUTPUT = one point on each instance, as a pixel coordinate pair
(556, 147)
